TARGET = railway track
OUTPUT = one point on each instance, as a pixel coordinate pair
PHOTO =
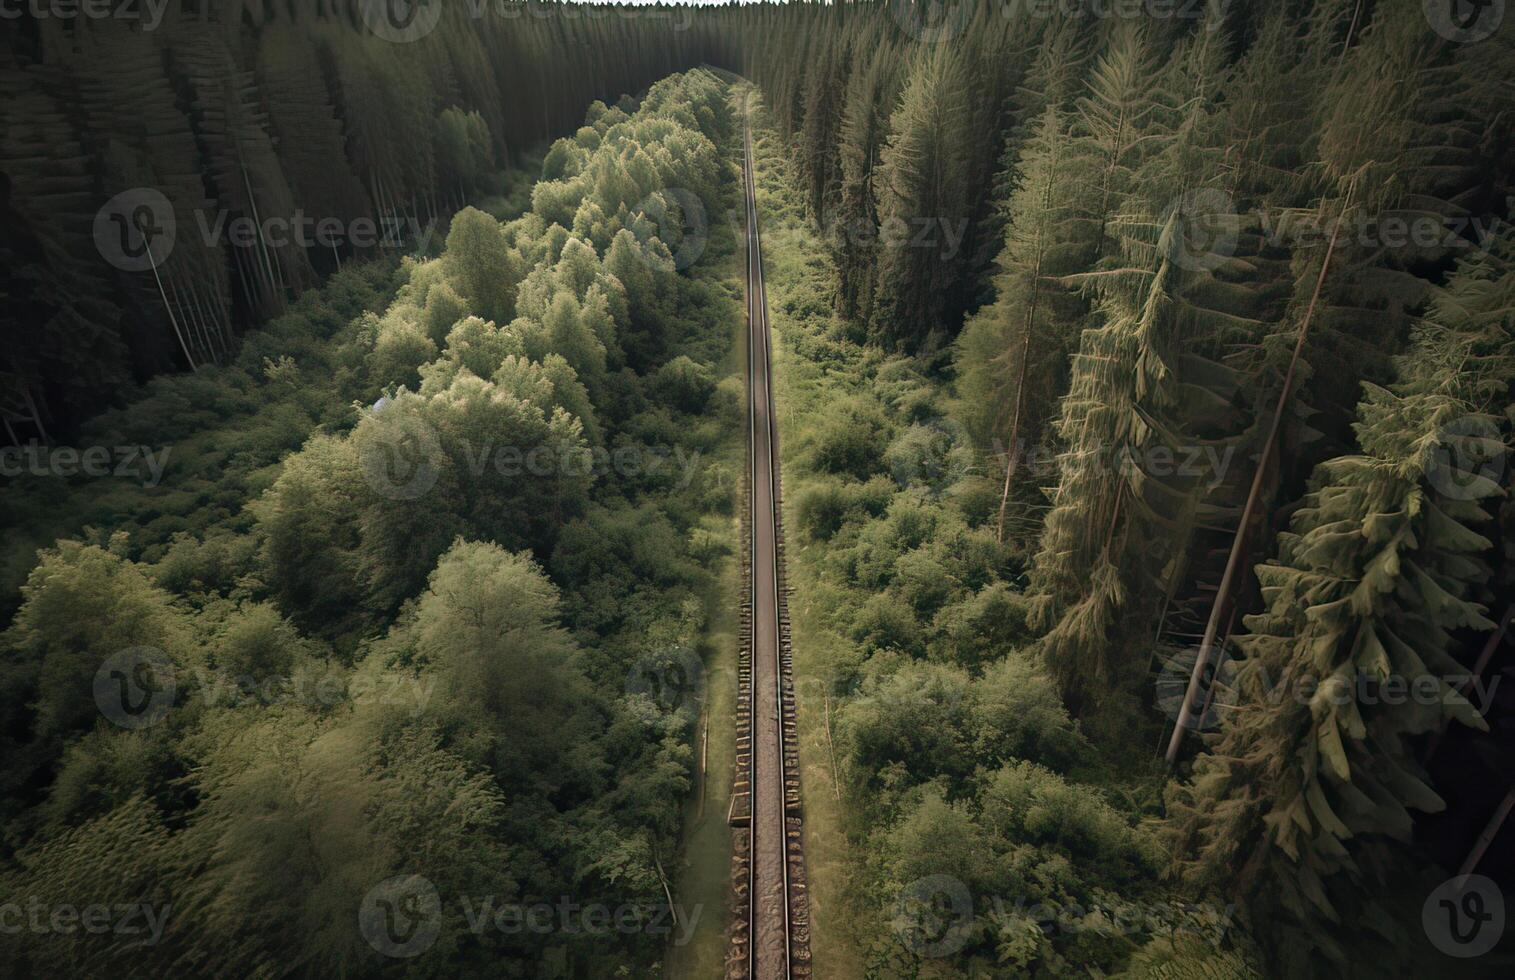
(770, 932)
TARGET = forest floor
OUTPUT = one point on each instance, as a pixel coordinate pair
(705, 869)
(834, 949)
(704, 885)
(827, 852)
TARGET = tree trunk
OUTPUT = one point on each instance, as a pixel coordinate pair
(1228, 580)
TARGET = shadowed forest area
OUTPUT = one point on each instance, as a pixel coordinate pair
(375, 502)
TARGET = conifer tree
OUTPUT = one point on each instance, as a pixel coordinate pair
(920, 177)
(1314, 771)
(1100, 545)
(1011, 355)
(863, 130)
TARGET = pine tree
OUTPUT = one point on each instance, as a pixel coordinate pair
(1112, 523)
(1314, 771)
(825, 85)
(1011, 355)
(1354, 290)
(920, 175)
(863, 130)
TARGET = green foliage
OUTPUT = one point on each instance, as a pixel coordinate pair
(685, 384)
(1025, 193)
(482, 266)
(955, 754)
(851, 439)
(345, 564)
(1311, 779)
(83, 604)
(1027, 802)
(305, 112)
(921, 161)
(465, 149)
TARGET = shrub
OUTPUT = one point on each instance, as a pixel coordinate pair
(685, 384)
(850, 439)
(1027, 802)
(982, 627)
(1017, 714)
(883, 623)
(822, 508)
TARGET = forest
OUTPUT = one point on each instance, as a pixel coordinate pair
(378, 497)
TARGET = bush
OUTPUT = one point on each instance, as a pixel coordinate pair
(684, 384)
(922, 581)
(978, 498)
(882, 623)
(916, 718)
(822, 508)
(984, 626)
(927, 456)
(850, 439)
(1017, 714)
(1027, 802)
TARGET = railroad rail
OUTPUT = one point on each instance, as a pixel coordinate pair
(770, 931)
